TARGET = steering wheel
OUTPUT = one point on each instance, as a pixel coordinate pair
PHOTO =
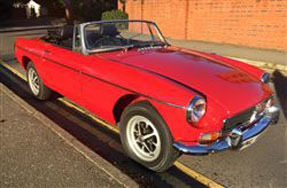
(109, 38)
(95, 43)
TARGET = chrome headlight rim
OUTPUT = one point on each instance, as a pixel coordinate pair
(265, 78)
(192, 114)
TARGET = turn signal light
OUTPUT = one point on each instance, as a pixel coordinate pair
(209, 137)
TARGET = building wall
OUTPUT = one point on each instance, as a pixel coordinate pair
(253, 23)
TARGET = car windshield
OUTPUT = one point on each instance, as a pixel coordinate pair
(117, 35)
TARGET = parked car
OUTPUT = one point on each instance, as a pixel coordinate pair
(165, 100)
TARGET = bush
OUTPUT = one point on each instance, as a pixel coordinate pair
(114, 15)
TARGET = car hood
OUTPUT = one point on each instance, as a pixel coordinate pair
(233, 88)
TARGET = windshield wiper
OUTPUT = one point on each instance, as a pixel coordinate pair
(152, 45)
(159, 43)
(127, 47)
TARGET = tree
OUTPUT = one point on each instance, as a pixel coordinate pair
(68, 11)
(123, 2)
(82, 10)
(5, 9)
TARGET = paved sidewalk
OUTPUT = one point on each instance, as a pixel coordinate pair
(256, 54)
(33, 156)
(266, 59)
(20, 24)
(269, 60)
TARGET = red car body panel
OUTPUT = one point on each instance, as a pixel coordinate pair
(168, 78)
(198, 73)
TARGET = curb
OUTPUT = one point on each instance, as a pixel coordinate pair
(128, 182)
(269, 67)
(72, 141)
(188, 171)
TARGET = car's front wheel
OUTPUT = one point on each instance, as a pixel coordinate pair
(146, 137)
(37, 88)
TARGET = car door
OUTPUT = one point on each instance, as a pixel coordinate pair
(62, 70)
(100, 92)
(36, 50)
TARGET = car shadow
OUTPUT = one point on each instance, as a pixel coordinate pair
(97, 138)
(280, 84)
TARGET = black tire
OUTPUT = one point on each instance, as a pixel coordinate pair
(44, 92)
(167, 155)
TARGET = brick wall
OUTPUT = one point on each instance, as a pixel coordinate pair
(253, 23)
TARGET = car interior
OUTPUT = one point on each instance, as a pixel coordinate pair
(97, 37)
(105, 36)
(62, 37)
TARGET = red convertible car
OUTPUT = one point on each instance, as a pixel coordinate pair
(164, 99)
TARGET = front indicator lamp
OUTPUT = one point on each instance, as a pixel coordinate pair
(206, 138)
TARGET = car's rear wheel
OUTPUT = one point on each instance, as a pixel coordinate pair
(146, 137)
(37, 88)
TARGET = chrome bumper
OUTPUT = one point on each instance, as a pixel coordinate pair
(238, 139)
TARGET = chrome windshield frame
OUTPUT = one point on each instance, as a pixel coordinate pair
(82, 26)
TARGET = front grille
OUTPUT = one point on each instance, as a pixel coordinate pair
(239, 119)
(243, 118)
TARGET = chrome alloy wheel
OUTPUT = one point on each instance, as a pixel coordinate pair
(34, 82)
(143, 138)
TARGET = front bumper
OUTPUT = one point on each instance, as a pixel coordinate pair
(238, 139)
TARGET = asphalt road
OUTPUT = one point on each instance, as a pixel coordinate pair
(96, 137)
(263, 164)
(33, 156)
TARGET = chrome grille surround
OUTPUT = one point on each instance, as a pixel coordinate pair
(245, 118)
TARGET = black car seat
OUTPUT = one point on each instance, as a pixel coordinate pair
(110, 30)
(110, 33)
(67, 36)
(106, 36)
(92, 38)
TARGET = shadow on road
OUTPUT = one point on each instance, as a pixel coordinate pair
(7, 57)
(99, 139)
(280, 83)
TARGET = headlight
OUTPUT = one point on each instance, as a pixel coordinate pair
(265, 78)
(196, 109)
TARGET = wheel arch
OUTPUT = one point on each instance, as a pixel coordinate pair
(25, 61)
(123, 102)
(126, 100)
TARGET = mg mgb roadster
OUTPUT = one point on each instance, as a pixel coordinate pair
(165, 100)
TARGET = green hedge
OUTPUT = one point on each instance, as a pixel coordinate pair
(114, 15)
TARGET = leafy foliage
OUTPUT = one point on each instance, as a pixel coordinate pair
(81, 10)
(114, 15)
(5, 9)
